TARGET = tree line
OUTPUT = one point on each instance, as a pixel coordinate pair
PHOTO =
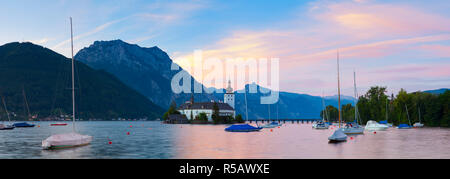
(377, 105)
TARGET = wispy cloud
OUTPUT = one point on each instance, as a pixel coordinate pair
(361, 30)
(93, 31)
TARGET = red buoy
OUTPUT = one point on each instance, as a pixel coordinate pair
(109, 142)
(128, 133)
(374, 132)
(271, 130)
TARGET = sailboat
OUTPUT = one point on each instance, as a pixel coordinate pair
(418, 124)
(321, 124)
(3, 126)
(24, 124)
(354, 127)
(272, 124)
(405, 126)
(338, 135)
(385, 122)
(73, 139)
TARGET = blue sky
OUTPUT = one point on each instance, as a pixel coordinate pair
(399, 44)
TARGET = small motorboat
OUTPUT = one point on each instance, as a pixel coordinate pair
(67, 140)
(58, 124)
(375, 126)
(353, 128)
(320, 125)
(403, 126)
(338, 136)
(6, 127)
(271, 125)
(417, 125)
(242, 128)
(23, 124)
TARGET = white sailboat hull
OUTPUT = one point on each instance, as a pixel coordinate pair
(375, 126)
(353, 130)
(417, 125)
(320, 126)
(67, 140)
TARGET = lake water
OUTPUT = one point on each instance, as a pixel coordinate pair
(156, 140)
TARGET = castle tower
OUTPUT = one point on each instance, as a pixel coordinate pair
(229, 95)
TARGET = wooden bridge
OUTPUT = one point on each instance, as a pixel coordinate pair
(282, 120)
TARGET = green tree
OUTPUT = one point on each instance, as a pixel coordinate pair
(239, 119)
(201, 117)
(215, 115)
(172, 110)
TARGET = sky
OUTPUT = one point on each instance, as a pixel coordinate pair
(397, 44)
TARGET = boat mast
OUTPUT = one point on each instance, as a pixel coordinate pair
(26, 102)
(356, 96)
(324, 108)
(419, 115)
(387, 110)
(245, 96)
(339, 91)
(277, 112)
(73, 79)
(407, 114)
(4, 105)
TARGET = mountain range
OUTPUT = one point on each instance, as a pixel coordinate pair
(437, 91)
(118, 79)
(148, 70)
(43, 77)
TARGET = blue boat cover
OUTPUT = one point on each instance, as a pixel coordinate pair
(383, 122)
(23, 124)
(274, 123)
(240, 127)
(403, 126)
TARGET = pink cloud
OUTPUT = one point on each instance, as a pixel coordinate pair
(436, 49)
(360, 30)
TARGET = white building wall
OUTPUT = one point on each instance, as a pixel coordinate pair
(229, 99)
(208, 113)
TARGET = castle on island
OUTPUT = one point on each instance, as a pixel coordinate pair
(226, 107)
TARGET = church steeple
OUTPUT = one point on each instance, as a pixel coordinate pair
(228, 97)
(229, 88)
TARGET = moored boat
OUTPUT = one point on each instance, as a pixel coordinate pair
(403, 126)
(23, 124)
(375, 126)
(242, 128)
(353, 128)
(3, 126)
(385, 123)
(338, 136)
(6, 127)
(73, 139)
(271, 125)
(68, 140)
(320, 125)
(417, 125)
(58, 124)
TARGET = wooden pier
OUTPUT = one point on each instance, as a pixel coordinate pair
(293, 121)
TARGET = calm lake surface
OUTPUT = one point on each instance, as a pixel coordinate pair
(156, 140)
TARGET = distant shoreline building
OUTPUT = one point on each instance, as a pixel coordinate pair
(191, 108)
